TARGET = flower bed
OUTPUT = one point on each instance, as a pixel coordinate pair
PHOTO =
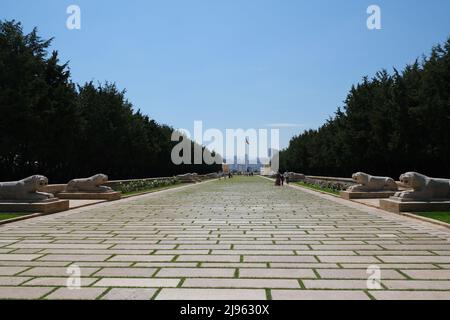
(327, 185)
(144, 185)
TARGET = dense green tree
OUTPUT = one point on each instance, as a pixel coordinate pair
(51, 126)
(388, 125)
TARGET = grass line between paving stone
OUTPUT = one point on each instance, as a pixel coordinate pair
(317, 274)
(404, 274)
(371, 297)
(268, 294)
(156, 294)
(300, 283)
(154, 273)
(181, 282)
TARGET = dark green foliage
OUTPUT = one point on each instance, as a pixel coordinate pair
(50, 126)
(389, 125)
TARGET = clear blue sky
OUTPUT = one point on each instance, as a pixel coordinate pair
(236, 63)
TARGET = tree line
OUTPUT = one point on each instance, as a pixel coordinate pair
(389, 124)
(49, 125)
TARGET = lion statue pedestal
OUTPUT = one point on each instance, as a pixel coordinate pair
(424, 194)
(370, 187)
(90, 189)
(27, 196)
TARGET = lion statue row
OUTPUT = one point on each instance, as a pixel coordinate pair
(418, 186)
(32, 189)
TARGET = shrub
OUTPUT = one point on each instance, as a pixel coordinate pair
(144, 185)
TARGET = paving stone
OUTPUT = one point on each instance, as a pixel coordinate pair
(73, 258)
(18, 257)
(23, 293)
(12, 281)
(211, 294)
(279, 259)
(303, 265)
(165, 264)
(417, 284)
(240, 283)
(57, 281)
(355, 259)
(56, 271)
(85, 246)
(357, 274)
(137, 282)
(277, 273)
(126, 272)
(75, 294)
(336, 284)
(203, 234)
(325, 253)
(415, 259)
(390, 265)
(10, 271)
(411, 295)
(142, 258)
(209, 258)
(428, 274)
(318, 295)
(129, 294)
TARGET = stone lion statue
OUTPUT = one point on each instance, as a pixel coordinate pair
(367, 183)
(27, 190)
(295, 177)
(92, 184)
(423, 188)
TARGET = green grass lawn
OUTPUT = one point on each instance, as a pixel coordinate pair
(441, 216)
(317, 188)
(150, 190)
(6, 216)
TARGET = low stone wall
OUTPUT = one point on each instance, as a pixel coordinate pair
(338, 184)
(334, 179)
(55, 188)
(115, 184)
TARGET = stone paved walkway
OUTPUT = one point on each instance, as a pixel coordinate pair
(240, 239)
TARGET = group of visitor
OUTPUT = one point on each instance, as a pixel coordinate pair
(281, 178)
(225, 175)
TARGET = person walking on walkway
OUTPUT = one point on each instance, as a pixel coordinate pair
(278, 180)
(286, 177)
